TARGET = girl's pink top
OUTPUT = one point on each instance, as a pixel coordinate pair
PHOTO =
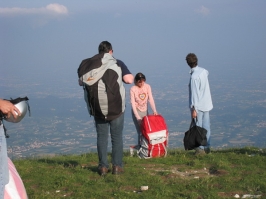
(139, 98)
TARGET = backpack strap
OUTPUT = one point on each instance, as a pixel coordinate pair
(87, 97)
(151, 151)
(5, 131)
(148, 123)
(164, 149)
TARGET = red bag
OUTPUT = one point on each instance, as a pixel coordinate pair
(154, 138)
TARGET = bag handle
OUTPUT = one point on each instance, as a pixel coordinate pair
(193, 123)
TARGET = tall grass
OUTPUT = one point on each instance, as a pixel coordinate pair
(220, 174)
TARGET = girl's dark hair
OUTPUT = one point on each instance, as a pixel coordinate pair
(140, 76)
(105, 47)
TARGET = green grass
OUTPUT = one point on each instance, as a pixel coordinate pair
(220, 174)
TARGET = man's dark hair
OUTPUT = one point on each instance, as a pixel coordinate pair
(192, 60)
(105, 47)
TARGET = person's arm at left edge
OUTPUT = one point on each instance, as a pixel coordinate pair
(128, 78)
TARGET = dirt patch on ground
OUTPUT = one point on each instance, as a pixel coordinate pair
(173, 172)
(183, 171)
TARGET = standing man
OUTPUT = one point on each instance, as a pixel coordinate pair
(200, 101)
(8, 109)
(102, 78)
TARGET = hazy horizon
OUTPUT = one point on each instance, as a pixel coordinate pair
(43, 43)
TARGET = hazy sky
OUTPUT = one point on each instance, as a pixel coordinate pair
(42, 40)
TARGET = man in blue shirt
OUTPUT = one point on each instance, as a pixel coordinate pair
(200, 101)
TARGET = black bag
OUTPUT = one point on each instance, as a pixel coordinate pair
(195, 136)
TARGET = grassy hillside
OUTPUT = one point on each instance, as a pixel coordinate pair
(220, 174)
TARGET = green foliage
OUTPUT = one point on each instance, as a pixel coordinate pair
(220, 174)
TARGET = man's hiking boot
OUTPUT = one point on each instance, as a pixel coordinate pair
(200, 152)
(102, 171)
(117, 170)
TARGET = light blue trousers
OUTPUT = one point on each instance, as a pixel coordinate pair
(204, 122)
(4, 173)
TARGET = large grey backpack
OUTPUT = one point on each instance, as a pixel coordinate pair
(104, 91)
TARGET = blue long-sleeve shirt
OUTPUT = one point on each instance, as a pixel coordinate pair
(199, 90)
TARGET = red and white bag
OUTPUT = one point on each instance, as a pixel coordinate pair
(154, 138)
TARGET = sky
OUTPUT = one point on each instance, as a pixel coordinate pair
(43, 42)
